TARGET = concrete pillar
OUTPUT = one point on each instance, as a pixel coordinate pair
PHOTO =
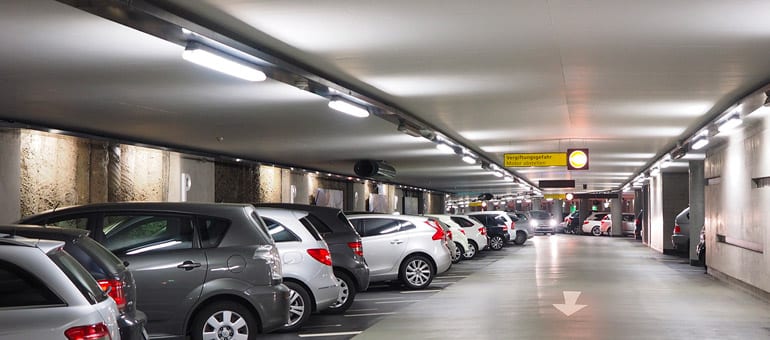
(697, 206)
(536, 204)
(584, 208)
(10, 175)
(616, 209)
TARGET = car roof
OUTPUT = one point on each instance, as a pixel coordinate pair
(43, 231)
(45, 245)
(185, 207)
(297, 206)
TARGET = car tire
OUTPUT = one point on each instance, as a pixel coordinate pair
(222, 316)
(347, 294)
(300, 306)
(416, 272)
(473, 249)
(520, 238)
(596, 231)
(496, 242)
(459, 251)
(609, 231)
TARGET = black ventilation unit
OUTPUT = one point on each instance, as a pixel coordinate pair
(372, 168)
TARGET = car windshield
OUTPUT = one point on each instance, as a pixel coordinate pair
(540, 215)
(598, 217)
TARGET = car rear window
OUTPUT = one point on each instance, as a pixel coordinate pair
(212, 231)
(99, 261)
(462, 222)
(318, 224)
(310, 227)
(19, 288)
(79, 276)
(279, 232)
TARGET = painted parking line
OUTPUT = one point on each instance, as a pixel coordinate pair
(321, 326)
(399, 301)
(362, 310)
(377, 299)
(420, 291)
(450, 275)
(369, 314)
(317, 335)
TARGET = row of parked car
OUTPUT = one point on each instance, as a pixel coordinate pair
(217, 271)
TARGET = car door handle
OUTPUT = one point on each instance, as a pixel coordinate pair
(188, 265)
(396, 242)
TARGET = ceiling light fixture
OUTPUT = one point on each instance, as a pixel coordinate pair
(408, 129)
(345, 106)
(730, 123)
(655, 171)
(469, 159)
(218, 61)
(508, 178)
(700, 142)
(498, 173)
(445, 148)
(666, 162)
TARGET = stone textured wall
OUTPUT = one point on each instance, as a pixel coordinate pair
(54, 171)
(137, 174)
(236, 183)
(269, 184)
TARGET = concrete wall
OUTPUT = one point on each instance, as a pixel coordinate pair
(236, 183)
(10, 175)
(737, 217)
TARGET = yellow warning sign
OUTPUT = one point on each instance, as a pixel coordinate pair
(513, 160)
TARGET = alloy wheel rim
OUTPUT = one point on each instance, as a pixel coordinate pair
(458, 252)
(497, 242)
(344, 294)
(471, 251)
(417, 272)
(296, 307)
(226, 325)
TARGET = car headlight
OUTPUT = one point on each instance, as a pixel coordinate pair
(533, 223)
(553, 223)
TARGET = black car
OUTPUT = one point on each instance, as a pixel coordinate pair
(345, 246)
(108, 270)
(496, 229)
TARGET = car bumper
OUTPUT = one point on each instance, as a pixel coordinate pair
(361, 275)
(544, 229)
(272, 304)
(326, 296)
(133, 327)
(680, 242)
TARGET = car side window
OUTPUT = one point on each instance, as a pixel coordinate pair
(71, 222)
(628, 218)
(212, 231)
(136, 234)
(279, 232)
(462, 222)
(19, 288)
(380, 226)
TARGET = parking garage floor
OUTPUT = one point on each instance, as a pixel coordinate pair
(628, 292)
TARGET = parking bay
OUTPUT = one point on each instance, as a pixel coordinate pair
(382, 300)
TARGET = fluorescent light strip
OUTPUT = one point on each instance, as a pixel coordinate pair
(731, 123)
(202, 57)
(349, 108)
(469, 159)
(445, 147)
(699, 143)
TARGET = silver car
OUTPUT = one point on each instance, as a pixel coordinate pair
(307, 263)
(411, 249)
(47, 294)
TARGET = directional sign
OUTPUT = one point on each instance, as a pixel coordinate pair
(569, 306)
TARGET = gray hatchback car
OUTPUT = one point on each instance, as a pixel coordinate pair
(210, 271)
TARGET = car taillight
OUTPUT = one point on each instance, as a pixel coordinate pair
(357, 247)
(585, 222)
(462, 231)
(98, 331)
(483, 231)
(321, 255)
(677, 229)
(505, 227)
(439, 234)
(449, 234)
(114, 289)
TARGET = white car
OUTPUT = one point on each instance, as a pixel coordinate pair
(476, 233)
(459, 237)
(681, 235)
(306, 261)
(47, 294)
(593, 223)
(400, 247)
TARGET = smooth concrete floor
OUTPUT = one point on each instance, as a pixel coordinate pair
(631, 292)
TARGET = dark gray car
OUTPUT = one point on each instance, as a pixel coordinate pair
(345, 246)
(201, 269)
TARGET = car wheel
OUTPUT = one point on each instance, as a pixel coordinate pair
(459, 251)
(596, 231)
(346, 296)
(299, 306)
(520, 238)
(472, 250)
(224, 320)
(496, 242)
(416, 272)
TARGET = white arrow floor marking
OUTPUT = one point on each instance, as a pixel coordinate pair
(569, 307)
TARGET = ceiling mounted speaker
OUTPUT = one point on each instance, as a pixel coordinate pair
(372, 168)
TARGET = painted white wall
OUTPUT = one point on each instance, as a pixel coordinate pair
(656, 214)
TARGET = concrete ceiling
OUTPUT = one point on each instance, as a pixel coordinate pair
(626, 79)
